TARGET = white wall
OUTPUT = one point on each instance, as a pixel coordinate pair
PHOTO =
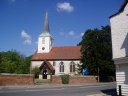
(119, 31)
(66, 67)
(122, 78)
(47, 44)
(36, 64)
(57, 66)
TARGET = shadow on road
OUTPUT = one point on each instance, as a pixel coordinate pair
(111, 92)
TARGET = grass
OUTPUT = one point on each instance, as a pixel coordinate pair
(40, 81)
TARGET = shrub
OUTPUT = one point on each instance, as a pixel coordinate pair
(36, 72)
(65, 79)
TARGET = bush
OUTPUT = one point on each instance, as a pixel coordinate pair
(36, 72)
(65, 79)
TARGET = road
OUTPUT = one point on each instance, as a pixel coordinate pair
(79, 90)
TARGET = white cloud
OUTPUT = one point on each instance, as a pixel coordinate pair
(27, 41)
(27, 38)
(82, 34)
(25, 35)
(71, 33)
(65, 6)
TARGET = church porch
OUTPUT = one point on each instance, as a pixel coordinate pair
(46, 70)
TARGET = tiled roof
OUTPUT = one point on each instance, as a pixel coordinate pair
(48, 65)
(121, 8)
(60, 53)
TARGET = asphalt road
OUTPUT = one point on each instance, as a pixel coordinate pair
(79, 90)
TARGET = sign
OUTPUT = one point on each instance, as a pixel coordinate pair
(85, 71)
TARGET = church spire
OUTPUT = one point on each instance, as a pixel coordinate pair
(45, 38)
(46, 23)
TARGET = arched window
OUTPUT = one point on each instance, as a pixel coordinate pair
(72, 67)
(61, 67)
(54, 63)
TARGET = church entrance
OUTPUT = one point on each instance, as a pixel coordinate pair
(45, 74)
(46, 70)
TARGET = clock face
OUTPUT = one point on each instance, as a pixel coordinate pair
(43, 48)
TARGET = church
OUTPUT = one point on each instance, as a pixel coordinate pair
(54, 60)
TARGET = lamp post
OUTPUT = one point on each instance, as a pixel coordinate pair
(98, 79)
(98, 73)
(97, 65)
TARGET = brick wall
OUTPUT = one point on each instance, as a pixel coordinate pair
(16, 79)
(75, 79)
(56, 80)
(82, 79)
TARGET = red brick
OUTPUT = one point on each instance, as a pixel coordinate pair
(75, 79)
(16, 79)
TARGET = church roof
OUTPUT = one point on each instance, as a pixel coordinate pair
(46, 23)
(45, 34)
(46, 27)
(47, 65)
(121, 9)
(59, 53)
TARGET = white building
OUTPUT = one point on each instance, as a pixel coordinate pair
(55, 60)
(119, 32)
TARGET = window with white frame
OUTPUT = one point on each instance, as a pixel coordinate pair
(72, 67)
(54, 63)
(61, 66)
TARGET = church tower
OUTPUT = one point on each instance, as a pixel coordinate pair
(45, 38)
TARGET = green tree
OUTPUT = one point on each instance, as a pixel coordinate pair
(1, 65)
(27, 64)
(97, 51)
(14, 62)
(36, 72)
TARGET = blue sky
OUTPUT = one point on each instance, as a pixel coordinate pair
(21, 21)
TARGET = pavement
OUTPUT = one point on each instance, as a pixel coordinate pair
(47, 85)
(60, 85)
(100, 94)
